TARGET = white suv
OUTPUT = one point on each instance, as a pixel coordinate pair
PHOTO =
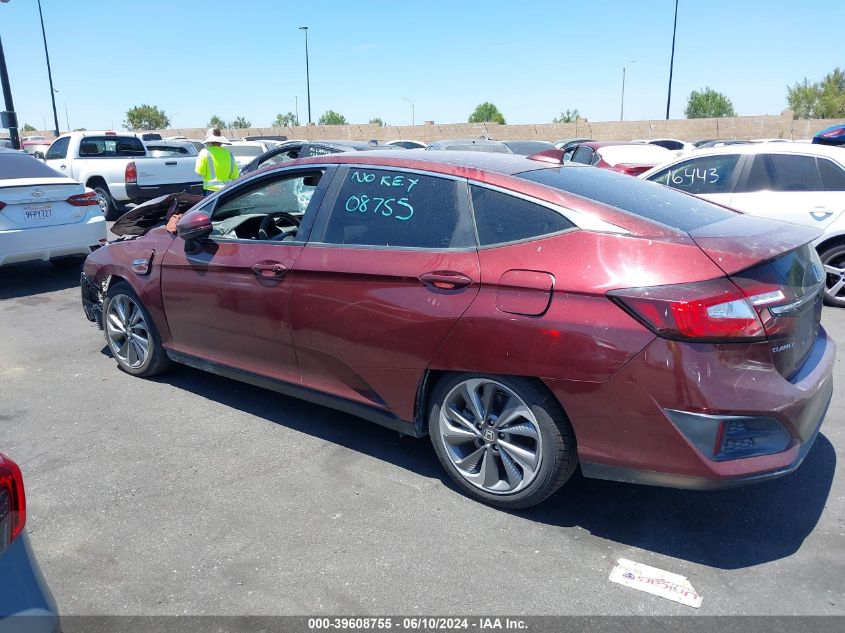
(793, 182)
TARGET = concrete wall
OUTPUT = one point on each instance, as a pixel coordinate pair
(747, 127)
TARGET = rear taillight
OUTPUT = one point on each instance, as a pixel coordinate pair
(83, 199)
(12, 502)
(131, 172)
(712, 310)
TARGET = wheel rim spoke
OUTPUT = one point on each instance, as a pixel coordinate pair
(833, 270)
(473, 400)
(525, 458)
(455, 416)
(489, 469)
(835, 288)
(471, 461)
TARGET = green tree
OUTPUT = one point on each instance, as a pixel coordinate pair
(146, 117)
(27, 128)
(569, 116)
(240, 123)
(216, 121)
(708, 104)
(286, 120)
(330, 117)
(824, 99)
(377, 121)
(486, 113)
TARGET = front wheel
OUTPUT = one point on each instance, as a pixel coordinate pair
(504, 440)
(833, 259)
(130, 333)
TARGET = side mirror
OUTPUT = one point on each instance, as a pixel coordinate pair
(38, 155)
(194, 225)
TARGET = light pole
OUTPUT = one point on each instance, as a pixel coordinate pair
(49, 72)
(622, 106)
(296, 107)
(412, 109)
(672, 61)
(307, 72)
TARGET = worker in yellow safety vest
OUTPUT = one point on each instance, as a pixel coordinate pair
(215, 163)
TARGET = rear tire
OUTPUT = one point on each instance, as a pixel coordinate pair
(106, 202)
(504, 440)
(131, 334)
(833, 259)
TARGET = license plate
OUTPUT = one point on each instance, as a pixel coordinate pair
(35, 212)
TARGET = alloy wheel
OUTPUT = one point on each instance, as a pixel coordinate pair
(491, 436)
(127, 330)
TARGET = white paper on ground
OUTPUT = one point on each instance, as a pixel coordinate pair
(655, 581)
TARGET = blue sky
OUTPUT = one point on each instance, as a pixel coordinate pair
(532, 58)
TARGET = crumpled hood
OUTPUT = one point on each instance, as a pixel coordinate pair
(153, 213)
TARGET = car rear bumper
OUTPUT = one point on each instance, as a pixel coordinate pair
(141, 194)
(625, 428)
(26, 603)
(49, 242)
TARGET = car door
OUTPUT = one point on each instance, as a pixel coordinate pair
(794, 188)
(228, 298)
(391, 266)
(56, 156)
(710, 177)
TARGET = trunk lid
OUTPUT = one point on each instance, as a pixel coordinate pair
(41, 202)
(166, 171)
(777, 262)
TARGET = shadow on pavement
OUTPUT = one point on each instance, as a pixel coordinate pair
(34, 278)
(727, 529)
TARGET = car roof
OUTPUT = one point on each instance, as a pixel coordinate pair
(829, 151)
(598, 144)
(454, 163)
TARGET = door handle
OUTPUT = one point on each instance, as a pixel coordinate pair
(269, 270)
(821, 213)
(62, 166)
(445, 280)
(170, 162)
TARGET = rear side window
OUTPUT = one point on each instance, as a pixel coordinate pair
(759, 176)
(583, 155)
(795, 173)
(95, 146)
(708, 174)
(19, 165)
(58, 149)
(833, 176)
(632, 195)
(377, 207)
(502, 218)
(320, 150)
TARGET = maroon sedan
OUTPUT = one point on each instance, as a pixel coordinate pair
(528, 316)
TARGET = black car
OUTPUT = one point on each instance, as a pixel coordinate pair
(300, 149)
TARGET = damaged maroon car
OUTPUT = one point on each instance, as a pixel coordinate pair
(531, 317)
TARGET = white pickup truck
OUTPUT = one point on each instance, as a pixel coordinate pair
(119, 168)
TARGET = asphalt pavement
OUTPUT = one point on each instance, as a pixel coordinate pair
(193, 494)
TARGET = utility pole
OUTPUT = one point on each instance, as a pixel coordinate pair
(9, 117)
(49, 72)
(307, 72)
(672, 61)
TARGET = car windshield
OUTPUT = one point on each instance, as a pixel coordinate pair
(15, 165)
(527, 148)
(632, 195)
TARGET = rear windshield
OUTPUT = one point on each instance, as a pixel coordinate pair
(19, 165)
(93, 146)
(246, 150)
(632, 195)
